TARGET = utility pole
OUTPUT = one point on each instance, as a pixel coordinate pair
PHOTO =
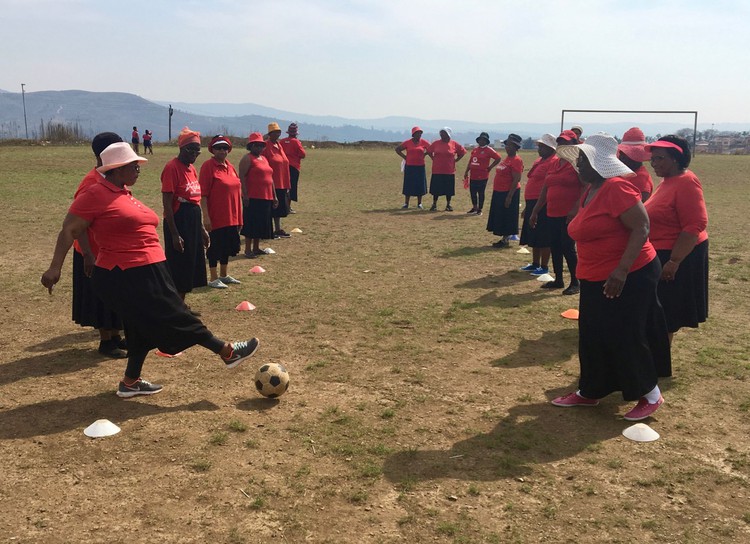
(171, 112)
(23, 98)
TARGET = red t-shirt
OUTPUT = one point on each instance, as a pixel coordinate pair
(444, 156)
(415, 151)
(535, 177)
(294, 151)
(600, 236)
(134, 136)
(278, 160)
(220, 185)
(259, 179)
(677, 206)
(480, 161)
(125, 228)
(504, 174)
(563, 189)
(642, 180)
(146, 138)
(92, 178)
(182, 181)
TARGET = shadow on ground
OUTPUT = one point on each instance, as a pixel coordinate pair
(492, 281)
(49, 364)
(57, 416)
(552, 347)
(531, 434)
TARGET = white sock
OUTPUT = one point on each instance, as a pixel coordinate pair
(653, 396)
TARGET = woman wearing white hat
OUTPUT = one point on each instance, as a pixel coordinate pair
(623, 342)
(130, 275)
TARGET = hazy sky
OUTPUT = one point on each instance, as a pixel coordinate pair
(482, 60)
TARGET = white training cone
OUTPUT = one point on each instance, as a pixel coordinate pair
(244, 306)
(545, 277)
(640, 432)
(269, 251)
(523, 250)
(296, 230)
(257, 270)
(101, 428)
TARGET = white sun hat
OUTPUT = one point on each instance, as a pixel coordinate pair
(549, 140)
(601, 151)
(117, 155)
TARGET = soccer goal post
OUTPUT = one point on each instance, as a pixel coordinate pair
(693, 113)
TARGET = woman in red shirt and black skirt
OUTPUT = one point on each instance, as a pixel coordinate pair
(506, 193)
(415, 177)
(259, 196)
(131, 276)
(623, 343)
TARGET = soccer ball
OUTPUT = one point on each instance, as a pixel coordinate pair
(272, 380)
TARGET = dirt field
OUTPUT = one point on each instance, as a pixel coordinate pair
(422, 366)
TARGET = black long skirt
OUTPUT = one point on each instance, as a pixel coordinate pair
(540, 235)
(88, 310)
(622, 342)
(294, 180)
(188, 268)
(256, 218)
(685, 299)
(225, 243)
(282, 210)
(152, 311)
(443, 184)
(503, 221)
(415, 181)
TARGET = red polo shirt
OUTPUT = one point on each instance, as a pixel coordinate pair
(535, 177)
(92, 178)
(563, 189)
(182, 181)
(125, 228)
(259, 179)
(415, 151)
(677, 206)
(444, 156)
(504, 174)
(278, 160)
(220, 186)
(642, 180)
(480, 161)
(600, 236)
(294, 151)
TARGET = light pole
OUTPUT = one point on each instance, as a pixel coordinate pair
(171, 112)
(23, 98)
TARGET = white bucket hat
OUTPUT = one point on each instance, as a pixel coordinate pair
(549, 140)
(601, 151)
(117, 155)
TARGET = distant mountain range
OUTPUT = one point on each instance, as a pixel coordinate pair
(96, 112)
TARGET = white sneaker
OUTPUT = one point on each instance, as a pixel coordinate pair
(229, 280)
(217, 284)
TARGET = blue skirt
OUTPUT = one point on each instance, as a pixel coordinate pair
(415, 181)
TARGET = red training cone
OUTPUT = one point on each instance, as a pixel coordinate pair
(244, 306)
(257, 270)
(570, 314)
(160, 353)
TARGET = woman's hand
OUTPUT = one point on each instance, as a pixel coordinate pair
(615, 283)
(206, 239)
(533, 219)
(178, 243)
(669, 270)
(275, 202)
(50, 278)
(508, 200)
(88, 263)
(207, 225)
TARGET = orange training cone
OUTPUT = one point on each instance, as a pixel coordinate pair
(160, 353)
(257, 270)
(570, 314)
(244, 306)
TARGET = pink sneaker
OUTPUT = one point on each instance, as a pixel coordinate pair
(574, 399)
(643, 409)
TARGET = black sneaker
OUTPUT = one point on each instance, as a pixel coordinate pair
(109, 348)
(141, 387)
(553, 285)
(241, 351)
(572, 290)
(433, 208)
(449, 208)
(472, 211)
(121, 342)
(282, 234)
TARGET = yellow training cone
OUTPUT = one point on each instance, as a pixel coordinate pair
(296, 230)
(523, 250)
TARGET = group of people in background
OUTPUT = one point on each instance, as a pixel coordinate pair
(638, 256)
(124, 280)
(135, 140)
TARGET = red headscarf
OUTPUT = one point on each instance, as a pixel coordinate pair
(188, 136)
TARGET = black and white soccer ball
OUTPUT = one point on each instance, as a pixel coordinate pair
(272, 380)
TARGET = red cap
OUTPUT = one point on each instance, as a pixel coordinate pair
(415, 129)
(256, 137)
(664, 143)
(568, 136)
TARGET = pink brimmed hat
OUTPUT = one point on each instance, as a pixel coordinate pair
(661, 143)
(414, 130)
(117, 155)
(256, 138)
(633, 145)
